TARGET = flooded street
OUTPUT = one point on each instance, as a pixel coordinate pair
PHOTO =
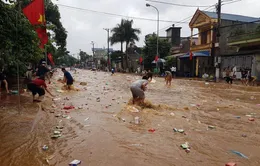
(101, 130)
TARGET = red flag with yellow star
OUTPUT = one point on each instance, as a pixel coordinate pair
(35, 13)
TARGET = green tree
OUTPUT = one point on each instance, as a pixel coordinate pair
(118, 36)
(131, 35)
(19, 42)
(83, 56)
(149, 49)
(124, 32)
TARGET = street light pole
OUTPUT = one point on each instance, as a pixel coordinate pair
(108, 56)
(158, 21)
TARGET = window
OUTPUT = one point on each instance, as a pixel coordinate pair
(204, 36)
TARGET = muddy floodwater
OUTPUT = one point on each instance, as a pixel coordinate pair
(218, 123)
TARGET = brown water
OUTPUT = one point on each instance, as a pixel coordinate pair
(103, 133)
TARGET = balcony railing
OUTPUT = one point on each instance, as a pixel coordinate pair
(200, 47)
(244, 37)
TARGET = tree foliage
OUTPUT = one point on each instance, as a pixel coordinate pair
(83, 56)
(19, 41)
(150, 49)
(124, 32)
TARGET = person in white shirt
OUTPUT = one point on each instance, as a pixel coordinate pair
(173, 70)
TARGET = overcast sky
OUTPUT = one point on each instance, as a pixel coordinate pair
(84, 26)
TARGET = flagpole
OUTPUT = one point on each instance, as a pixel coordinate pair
(17, 63)
(45, 48)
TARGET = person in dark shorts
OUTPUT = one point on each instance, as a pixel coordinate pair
(67, 78)
(3, 80)
(244, 76)
(148, 76)
(137, 88)
(38, 86)
(229, 78)
(112, 71)
(42, 70)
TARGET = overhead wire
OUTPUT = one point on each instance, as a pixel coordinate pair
(176, 4)
(117, 15)
(185, 19)
(206, 9)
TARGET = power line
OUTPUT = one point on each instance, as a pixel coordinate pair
(175, 4)
(229, 2)
(227, 26)
(117, 15)
(187, 18)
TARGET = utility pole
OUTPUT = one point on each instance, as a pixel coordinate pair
(93, 47)
(219, 18)
(108, 56)
(217, 54)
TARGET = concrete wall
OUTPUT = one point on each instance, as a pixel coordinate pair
(231, 31)
(256, 66)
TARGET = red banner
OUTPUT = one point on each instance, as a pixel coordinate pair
(191, 55)
(35, 13)
(156, 58)
(140, 59)
(51, 59)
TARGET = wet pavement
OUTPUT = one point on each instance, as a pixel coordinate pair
(101, 130)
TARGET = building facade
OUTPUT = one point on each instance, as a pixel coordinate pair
(212, 53)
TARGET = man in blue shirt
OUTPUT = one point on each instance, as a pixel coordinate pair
(67, 78)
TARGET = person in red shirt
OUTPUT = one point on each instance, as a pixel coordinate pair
(38, 86)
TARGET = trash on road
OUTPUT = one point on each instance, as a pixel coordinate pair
(136, 145)
(86, 119)
(98, 99)
(185, 145)
(56, 136)
(53, 106)
(178, 130)
(212, 127)
(45, 147)
(251, 119)
(68, 107)
(137, 120)
(239, 154)
(231, 164)
(59, 127)
(151, 130)
(252, 98)
(55, 132)
(60, 91)
(133, 109)
(83, 83)
(58, 115)
(244, 135)
(75, 163)
(56, 99)
(80, 107)
(238, 117)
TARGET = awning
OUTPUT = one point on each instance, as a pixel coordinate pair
(197, 54)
